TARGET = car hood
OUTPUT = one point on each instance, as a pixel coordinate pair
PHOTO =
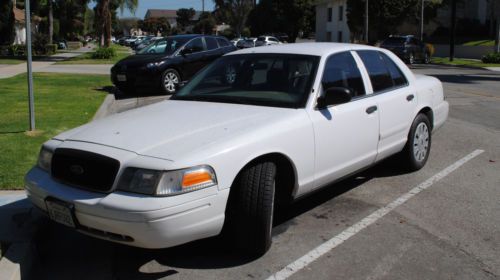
(173, 128)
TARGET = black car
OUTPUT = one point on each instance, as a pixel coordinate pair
(167, 62)
(408, 48)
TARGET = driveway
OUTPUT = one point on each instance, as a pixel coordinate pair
(442, 222)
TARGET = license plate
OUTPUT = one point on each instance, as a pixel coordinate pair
(60, 212)
(121, 78)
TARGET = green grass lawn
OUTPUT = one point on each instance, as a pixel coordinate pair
(86, 58)
(463, 62)
(62, 101)
(11, 61)
(489, 43)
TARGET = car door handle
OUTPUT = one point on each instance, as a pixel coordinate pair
(371, 109)
(410, 97)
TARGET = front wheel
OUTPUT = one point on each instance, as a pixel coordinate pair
(170, 79)
(251, 207)
(418, 146)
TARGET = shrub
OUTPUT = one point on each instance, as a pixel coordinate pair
(51, 49)
(17, 50)
(104, 53)
(491, 58)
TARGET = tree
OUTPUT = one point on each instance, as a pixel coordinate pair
(386, 15)
(104, 14)
(7, 21)
(184, 17)
(206, 24)
(286, 16)
(237, 12)
(155, 25)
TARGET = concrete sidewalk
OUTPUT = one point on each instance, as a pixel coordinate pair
(13, 70)
(103, 69)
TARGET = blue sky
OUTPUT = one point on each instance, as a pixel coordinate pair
(144, 5)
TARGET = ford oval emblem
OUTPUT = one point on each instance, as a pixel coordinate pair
(76, 169)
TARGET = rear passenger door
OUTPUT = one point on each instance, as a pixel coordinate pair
(213, 50)
(395, 99)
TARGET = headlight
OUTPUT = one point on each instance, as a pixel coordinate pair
(165, 183)
(155, 64)
(45, 159)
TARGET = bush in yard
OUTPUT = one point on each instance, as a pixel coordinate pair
(51, 48)
(491, 58)
(104, 53)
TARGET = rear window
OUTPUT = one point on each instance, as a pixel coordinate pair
(397, 75)
(223, 42)
(377, 70)
(394, 41)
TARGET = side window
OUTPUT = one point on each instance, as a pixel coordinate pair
(341, 71)
(330, 12)
(377, 70)
(196, 45)
(397, 75)
(222, 42)
(211, 43)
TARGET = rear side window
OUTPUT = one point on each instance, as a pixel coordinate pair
(377, 70)
(341, 70)
(398, 78)
(223, 42)
(211, 43)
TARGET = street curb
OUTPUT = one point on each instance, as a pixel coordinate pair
(462, 66)
(104, 109)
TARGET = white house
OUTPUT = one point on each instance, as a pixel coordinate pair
(331, 21)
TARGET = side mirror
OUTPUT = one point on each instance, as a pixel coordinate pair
(334, 96)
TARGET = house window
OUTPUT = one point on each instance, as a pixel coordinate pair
(341, 13)
(328, 36)
(339, 36)
(330, 11)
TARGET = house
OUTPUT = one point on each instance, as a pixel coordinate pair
(170, 15)
(19, 27)
(331, 21)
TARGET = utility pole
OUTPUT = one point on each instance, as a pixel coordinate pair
(366, 21)
(30, 72)
(422, 22)
(203, 5)
(453, 28)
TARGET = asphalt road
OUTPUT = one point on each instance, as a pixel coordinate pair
(448, 229)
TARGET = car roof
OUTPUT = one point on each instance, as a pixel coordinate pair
(320, 49)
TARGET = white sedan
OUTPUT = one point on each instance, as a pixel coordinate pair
(253, 131)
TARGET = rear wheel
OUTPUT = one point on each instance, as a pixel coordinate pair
(251, 208)
(418, 146)
(170, 79)
(411, 59)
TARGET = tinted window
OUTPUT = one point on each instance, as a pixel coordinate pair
(397, 75)
(277, 80)
(167, 46)
(341, 71)
(211, 43)
(196, 45)
(379, 74)
(329, 14)
(223, 42)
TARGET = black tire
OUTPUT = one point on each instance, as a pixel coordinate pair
(419, 139)
(170, 87)
(251, 208)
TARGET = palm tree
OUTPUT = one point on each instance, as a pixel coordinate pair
(103, 15)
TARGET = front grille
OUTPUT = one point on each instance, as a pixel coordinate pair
(84, 169)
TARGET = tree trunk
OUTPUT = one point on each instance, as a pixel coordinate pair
(104, 16)
(51, 21)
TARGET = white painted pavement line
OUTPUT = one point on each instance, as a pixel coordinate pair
(324, 248)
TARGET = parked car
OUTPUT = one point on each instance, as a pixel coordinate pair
(247, 43)
(121, 41)
(236, 40)
(266, 41)
(146, 42)
(167, 62)
(408, 48)
(250, 133)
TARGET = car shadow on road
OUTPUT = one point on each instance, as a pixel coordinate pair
(467, 79)
(64, 252)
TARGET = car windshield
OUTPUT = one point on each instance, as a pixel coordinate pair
(278, 80)
(394, 41)
(164, 46)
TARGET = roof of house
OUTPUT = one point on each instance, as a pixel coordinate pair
(158, 13)
(19, 15)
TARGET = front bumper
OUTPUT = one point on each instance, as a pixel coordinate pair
(137, 79)
(134, 219)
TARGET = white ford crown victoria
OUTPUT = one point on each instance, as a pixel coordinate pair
(255, 129)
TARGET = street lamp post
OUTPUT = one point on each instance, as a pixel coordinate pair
(453, 28)
(366, 21)
(30, 71)
(422, 22)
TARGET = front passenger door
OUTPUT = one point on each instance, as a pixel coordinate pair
(192, 55)
(346, 135)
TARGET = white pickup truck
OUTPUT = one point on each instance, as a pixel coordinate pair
(256, 129)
